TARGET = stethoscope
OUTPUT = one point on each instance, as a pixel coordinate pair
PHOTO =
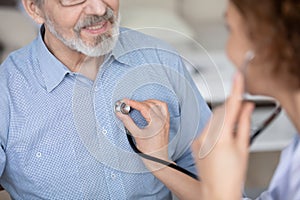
(126, 109)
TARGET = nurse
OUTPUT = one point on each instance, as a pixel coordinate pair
(270, 31)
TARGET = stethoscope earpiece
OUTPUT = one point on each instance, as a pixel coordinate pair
(249, 55)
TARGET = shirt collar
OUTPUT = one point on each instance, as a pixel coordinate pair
(119, 51)
(52, 70)
(124, 46)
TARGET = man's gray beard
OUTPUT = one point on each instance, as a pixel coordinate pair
(106, 44)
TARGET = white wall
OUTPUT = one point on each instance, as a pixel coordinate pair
(203, 10)
(145, 4)
(199, 19)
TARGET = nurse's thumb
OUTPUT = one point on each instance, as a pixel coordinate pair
(129, 124)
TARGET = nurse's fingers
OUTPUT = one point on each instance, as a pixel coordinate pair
(244, 124)
(142, 107)
(156, 114)
(157, 102)
(129, 124)
(150, 109)
(234, 104)
(158, 111)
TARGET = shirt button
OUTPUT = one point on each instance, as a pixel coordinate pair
(104, 131)
(38, 154)
(96, 88)
(113, 176)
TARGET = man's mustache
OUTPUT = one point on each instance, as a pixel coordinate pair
(95, 19)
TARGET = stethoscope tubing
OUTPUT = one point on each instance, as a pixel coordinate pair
(132, 144)
(157, 160)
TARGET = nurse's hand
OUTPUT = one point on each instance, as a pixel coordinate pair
(152, 139)
(221, 152)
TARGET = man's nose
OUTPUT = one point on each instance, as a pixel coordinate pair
(95, 7)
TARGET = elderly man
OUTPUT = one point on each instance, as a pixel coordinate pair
(59, 136)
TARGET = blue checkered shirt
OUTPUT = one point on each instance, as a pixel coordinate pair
(59, 135)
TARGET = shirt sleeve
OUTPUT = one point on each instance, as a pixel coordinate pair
(4, 121)
(204, 111)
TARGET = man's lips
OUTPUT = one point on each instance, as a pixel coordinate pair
(98, 28)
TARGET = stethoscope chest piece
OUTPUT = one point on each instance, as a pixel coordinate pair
(122, 107)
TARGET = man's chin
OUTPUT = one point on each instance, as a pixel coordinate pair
(95, 51)
(96, 47)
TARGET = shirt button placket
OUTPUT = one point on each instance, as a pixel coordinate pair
(104, 131)
(115, 184)
(38, 154)
(113, 176)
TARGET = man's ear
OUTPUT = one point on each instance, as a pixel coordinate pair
(34, 11)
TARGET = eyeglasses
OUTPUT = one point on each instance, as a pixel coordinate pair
(71, 2)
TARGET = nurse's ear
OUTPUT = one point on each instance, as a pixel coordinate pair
(34, 10)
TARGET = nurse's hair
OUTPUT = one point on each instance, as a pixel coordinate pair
(274, 28)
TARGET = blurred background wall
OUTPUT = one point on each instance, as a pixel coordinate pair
(16, 29)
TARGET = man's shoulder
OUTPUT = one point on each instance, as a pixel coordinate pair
(136, 47)
(17, 59)
(137, 39)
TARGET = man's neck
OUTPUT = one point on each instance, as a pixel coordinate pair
(73, 60)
